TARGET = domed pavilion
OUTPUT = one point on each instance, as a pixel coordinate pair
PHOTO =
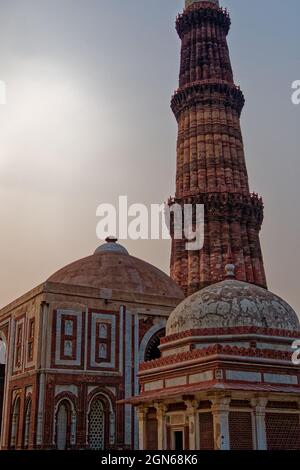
(226, 378)
(73, 349)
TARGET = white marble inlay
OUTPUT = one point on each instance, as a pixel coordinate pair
(103, 331)
(157, 385)
(243, 376)
(91, 388)
(201, 377)
(66, 388)
(68, 348)
(69, 328)
(103, 351)
(176, 382)
(281, 379)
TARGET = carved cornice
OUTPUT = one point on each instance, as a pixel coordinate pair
(241, 330)
(199, 14)
(208, 92)
(230, 207)
(214, 350)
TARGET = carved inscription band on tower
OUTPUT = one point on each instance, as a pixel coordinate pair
(211, 167)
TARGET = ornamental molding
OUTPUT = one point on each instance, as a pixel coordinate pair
(241, 330)
(216, 350)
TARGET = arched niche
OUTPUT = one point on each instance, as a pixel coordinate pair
(101, 421)
(65, 423)
(150, 342)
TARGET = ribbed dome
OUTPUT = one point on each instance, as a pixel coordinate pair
(111, 267)
(232, 303)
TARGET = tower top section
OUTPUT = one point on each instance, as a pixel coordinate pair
(211, 165)
(188, 3)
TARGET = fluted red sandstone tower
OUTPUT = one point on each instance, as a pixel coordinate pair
(211, 168)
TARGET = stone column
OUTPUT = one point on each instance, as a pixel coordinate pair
(142, 420)
(112, 428)
(27, 430)
(220, 411)
(161, 426)
(73, 428)
(191, 412)
(259, 406)
(40, 414)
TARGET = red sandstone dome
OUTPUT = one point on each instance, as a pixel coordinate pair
(111, 267)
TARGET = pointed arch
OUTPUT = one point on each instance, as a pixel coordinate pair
(152, 335)
(100, 420)
(65, 421)
(97, 425)
(15, 422)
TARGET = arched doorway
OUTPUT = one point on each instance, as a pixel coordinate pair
(152, 351)
(63, 425)
(15, 423)
(97, 424)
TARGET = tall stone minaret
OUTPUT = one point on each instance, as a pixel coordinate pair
(211, 168)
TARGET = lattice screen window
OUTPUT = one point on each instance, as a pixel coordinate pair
(240, 430)
(283, 431)
(151, 434)
(206, 431)
(97, 426)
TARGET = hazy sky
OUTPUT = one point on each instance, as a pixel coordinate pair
(88, 119)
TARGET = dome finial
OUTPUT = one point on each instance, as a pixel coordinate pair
(111, 246)
(111, 239)
(230, 266)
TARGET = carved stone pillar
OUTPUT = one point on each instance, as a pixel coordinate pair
(142, 420)
(27, 430)
(259, 406)
(161, 426)
(112, 428)
(193, 419)
(220, 411)
(73, 428)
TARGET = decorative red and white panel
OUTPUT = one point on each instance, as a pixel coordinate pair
(69, 334)
(19, 344)
(102, 346)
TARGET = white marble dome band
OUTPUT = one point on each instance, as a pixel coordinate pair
(232, 303)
